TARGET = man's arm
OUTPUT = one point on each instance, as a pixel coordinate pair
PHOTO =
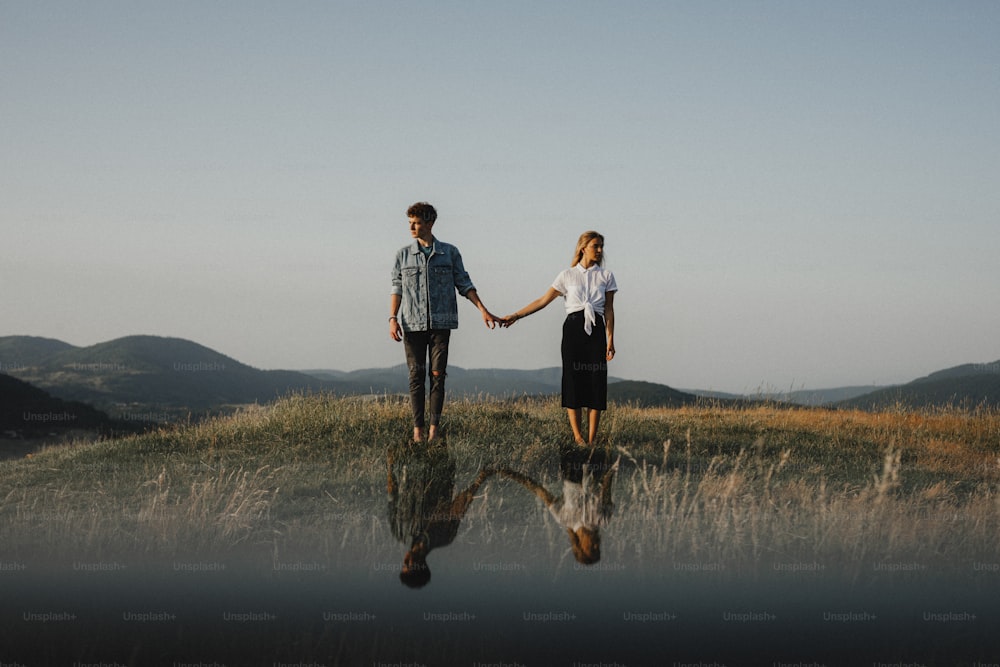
(395, 331)
(460, 505)
(396, 299)
(463, 283)
(489, 318)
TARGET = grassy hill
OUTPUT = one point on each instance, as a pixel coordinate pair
(965, 386)
(813, 482)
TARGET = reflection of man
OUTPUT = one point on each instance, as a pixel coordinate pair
(422, 512)
(585, 505)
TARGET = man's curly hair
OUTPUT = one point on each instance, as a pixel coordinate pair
(424, 211)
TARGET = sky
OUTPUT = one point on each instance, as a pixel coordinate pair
(792, 194)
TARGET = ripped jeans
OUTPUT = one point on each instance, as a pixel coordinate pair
(421, 346)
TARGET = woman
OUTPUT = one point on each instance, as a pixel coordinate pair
(588, 332)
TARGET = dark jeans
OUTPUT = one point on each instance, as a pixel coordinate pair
(421, 345)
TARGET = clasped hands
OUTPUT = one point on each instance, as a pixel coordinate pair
(492, 320)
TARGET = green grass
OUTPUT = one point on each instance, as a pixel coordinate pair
(745, 486)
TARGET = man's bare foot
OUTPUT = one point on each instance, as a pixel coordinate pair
(435, 433)
(418, 434)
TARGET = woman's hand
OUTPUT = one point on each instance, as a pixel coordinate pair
(509, 320)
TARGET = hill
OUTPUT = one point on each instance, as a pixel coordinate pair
(818, 397)
(18, 352)
(966, 386)
(29, 410)
(30, 417)
(150, 373)
(806, 397)
(649, 394)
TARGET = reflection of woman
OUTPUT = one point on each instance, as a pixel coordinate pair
(422, 512)
(588, 332)
(585, 505)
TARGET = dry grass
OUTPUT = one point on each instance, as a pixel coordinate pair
(746, 487)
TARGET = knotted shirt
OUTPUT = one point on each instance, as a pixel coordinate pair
(585, 290)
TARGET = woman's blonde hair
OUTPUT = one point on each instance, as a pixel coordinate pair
(586, 544)
(586, 238)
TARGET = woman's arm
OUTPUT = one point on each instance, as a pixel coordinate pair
(609, 322)
(550, 295)
(529, 484)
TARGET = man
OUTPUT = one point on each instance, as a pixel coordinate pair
(423, 311)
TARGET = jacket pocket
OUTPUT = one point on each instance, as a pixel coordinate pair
(411, 277)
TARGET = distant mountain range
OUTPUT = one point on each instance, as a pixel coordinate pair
(807, 397)
(146, 373)
(966, 386)
(174, 378)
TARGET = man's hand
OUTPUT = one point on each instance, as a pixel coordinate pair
(395, 331)
(492, 320)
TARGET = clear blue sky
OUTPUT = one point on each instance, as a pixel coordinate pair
(793, 193)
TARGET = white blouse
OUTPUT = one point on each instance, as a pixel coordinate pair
(585, 289)
(580, 505)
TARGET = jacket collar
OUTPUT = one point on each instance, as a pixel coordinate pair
(415, 246)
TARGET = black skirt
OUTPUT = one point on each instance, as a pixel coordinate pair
(585, 365)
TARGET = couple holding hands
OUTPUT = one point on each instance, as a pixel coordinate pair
(424, 309)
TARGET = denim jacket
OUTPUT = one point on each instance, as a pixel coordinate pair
(427, 286)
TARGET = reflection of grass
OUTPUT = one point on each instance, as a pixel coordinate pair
(786, 488)
(745, 486)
